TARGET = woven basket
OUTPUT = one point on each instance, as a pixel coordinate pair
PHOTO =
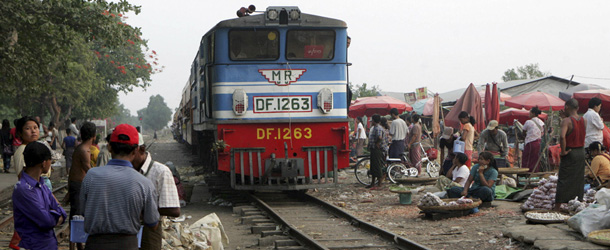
(513, 170)
(476, 202)
(413, 180)
(563, 211)
(408, 191)
(601, 237)
(537, 221)
(402, 191)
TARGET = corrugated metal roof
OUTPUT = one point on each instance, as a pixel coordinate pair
(452, 96)
(515, 83)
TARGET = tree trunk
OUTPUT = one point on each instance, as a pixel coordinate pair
(56, 112)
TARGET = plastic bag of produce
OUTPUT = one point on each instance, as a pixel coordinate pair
(594, 217)
(603, 197)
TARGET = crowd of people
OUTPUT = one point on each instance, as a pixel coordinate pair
(580, 139)
(142, 189)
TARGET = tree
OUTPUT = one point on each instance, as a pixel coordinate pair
(70, 57)
(363, 91)
(529, 71)
(123, 115)
(156, 115)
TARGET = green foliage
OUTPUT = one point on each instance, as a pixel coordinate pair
(529, 71)
(363, 90)
(156, 115)
(70, 57)
(123, 115)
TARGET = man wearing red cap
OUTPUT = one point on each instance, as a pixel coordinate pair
(116, 197)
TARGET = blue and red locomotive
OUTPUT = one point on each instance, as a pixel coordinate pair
(267, 100)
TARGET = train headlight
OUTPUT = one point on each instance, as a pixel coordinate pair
(240, 102)
(295, 14)
(272, 14)
(325, 100)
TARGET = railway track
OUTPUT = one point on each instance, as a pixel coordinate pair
(300, 221)
(62, 232)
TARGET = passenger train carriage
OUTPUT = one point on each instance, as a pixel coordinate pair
(273, 88)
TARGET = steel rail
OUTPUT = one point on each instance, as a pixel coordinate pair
(301, 237)
(8, 219)
(400, 241)
(304, 239)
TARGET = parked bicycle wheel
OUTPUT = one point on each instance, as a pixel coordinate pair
(433, 168)
(398, 171)
(362, 171)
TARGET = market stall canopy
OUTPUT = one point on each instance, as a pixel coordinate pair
(584, 96)
(420, 105)
(380, 105)
(470, 101)
(508, 116)
(567, 94)
(424, 106)
(543, 100)
(486, 100)
(494, 113)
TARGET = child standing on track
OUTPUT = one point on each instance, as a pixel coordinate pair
(36, 211)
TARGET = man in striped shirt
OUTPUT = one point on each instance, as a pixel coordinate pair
(168, 201)
(114, 198)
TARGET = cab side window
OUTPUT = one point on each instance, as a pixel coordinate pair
(310, 44)
(259, 44)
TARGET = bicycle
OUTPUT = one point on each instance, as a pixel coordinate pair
(394, 169)
(432, 167)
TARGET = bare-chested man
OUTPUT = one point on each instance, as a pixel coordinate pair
(81, 163)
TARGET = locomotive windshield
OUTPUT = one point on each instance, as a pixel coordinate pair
(310, 44)
(255, 44)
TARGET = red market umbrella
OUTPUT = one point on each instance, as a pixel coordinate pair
(508, 116)
(584, 96)
(494, 109)
(380, 105)
(543, 100)
(471, 103)
(487, 101)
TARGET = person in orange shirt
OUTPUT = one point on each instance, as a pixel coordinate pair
(600, 165)
(467, 135)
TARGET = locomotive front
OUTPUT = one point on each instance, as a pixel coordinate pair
(278, 95)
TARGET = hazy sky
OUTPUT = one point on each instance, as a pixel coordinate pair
(403, 45)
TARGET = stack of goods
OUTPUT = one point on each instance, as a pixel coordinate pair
(429, 200)
(544, 196)
(460, 201)
(575, 206)
(590, 196)
(546, 216)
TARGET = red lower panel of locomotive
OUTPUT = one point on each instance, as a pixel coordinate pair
(275, 137)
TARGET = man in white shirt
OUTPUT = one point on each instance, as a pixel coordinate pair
(398, 131)
(361, 136)
(73, 128)
(163, 180)
(595, 124)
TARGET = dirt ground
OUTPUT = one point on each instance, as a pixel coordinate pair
(382, 208)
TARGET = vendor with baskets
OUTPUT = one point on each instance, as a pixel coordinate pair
(481, 182)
